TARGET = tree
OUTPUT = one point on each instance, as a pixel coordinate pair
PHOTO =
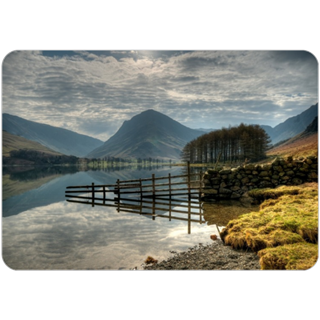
(234, 144)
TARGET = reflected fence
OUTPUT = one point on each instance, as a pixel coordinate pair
(170, 197)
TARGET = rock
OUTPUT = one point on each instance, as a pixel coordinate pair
(223, 185)
(296, 181)
(212, 171)
(211, 191)
(249, 167)
(150, 260)
(225, 171)
(245, 180)
(235, 195)
(313, 175)
(215, 256)
(215, 180)
(213, 237)
(309, 161)
(224, 191)
(231, 176)
(232, 183)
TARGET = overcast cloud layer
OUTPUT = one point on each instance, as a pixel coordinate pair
(94, 92)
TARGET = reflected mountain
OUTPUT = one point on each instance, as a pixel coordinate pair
(24, 190)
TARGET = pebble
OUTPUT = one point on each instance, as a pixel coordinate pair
(215, 256)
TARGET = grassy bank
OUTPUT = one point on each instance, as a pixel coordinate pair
(284, 232)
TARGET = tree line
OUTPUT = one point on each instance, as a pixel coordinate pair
(228, 144)
(41, 158)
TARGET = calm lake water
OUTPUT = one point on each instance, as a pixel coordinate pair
(41, 230)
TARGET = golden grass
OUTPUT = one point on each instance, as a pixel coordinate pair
(12, 142)
(289, 216)
(297, 147)
(297, 256)
(273, 193)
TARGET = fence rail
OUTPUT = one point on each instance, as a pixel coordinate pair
(179, 185)
(183, 210)
(166, 197)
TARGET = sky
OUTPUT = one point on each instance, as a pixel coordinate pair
(94, 92)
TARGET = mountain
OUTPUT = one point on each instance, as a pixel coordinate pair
(149, 134)
(302, 145)
(12, 142)
(57, 139)
(312, 127)
(292, 126)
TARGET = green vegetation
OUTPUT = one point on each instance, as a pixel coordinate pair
(273, 193)
(40, 158)
(232, 144)
(297, 256)
(11, 142)
(113, 162)
(287, 220)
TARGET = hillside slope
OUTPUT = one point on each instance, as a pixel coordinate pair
(302, 145)
(149, 134)
(292, 126)
(12, 142)
(57, 139)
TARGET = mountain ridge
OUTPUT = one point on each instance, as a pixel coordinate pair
(292, 126)
(58, 139)
(148, 134)
(12, 142)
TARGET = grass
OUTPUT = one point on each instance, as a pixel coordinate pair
(287, 219)
(297, 256)
(297, 147)
(273, 193)
(12, 142)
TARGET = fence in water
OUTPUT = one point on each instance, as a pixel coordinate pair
(171, 197)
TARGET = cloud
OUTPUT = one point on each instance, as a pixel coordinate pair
(94, 92)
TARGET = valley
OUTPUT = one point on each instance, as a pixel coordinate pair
(147, 136)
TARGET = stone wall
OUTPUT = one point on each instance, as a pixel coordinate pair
(233, 183)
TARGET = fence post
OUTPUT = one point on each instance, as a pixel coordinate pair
(92, 204)
(153, 187)
(104, 195)
(140, 189)
(188, 168)
(118, 185)
(200, 184)
(169, 180)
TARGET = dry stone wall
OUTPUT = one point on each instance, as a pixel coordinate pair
(233, 183)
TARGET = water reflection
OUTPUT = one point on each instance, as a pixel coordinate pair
(40, 230)
(171, 209)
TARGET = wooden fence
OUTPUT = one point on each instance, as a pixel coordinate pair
(172, 197)
(165, 187)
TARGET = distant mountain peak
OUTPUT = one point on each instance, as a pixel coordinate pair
(147, 134)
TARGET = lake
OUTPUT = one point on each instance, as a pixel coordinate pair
(42, 231)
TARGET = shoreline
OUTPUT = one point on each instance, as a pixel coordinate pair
(215, 256)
